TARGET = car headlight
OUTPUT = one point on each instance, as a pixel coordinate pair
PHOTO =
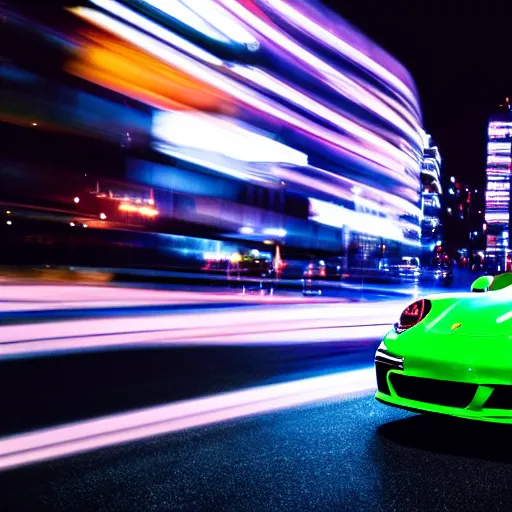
(413, 315)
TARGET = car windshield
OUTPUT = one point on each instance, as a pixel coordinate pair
(502, 281)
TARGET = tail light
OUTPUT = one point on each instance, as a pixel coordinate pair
(322, 272)
(413, 315)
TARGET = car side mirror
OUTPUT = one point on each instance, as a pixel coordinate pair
(482, 284)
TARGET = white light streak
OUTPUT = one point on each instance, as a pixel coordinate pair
(338, 216)
(222, 136)
(291, 94)
(182, 13)
(207, 75)
(158, 31)
(108, 431)
(223, 21)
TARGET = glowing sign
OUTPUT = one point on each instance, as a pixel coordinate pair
(143, 210)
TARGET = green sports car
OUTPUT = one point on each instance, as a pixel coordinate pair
(452, 354)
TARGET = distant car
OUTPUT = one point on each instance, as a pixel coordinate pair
(316, 269)
(315, 272)
(452, 354)
(409, 269)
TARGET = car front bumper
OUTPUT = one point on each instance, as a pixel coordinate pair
(399, 388)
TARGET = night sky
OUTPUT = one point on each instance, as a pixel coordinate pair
(460, 55)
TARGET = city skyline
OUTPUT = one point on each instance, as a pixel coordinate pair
(497, 195)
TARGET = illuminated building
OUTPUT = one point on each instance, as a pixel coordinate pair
(464, 221)
(497, 195)
(237, 129)
(431, 194)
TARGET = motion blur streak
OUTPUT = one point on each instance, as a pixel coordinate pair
(223, 136)
(177, 10)
(249, 336)
(274, 317)
(123, 68)
(54, 296)
(286, 91)
(163, 34)
(215, 328)
(224, 21)
(120, 428)
(391, 158)
(325, 143)
(358, 333)
(327, 37)
(330, 75)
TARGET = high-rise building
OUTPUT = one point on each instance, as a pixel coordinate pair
(497, 196)
(319, 151)
(431, 227)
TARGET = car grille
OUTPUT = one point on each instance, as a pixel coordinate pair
(433, 391)
(501, 398)
(382, 370)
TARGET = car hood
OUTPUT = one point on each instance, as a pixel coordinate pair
(479, 314)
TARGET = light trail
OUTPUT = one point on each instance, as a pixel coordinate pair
(357, 56)
(331, 76)
(165, 35)
(207, 75)
(61, 441)
(211, 322)
(257, 334)
(50, 297)
(339, 335)
(215, 326)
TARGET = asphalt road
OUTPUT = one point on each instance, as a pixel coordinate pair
(352, 455)
(349, 454)
(48, 391)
